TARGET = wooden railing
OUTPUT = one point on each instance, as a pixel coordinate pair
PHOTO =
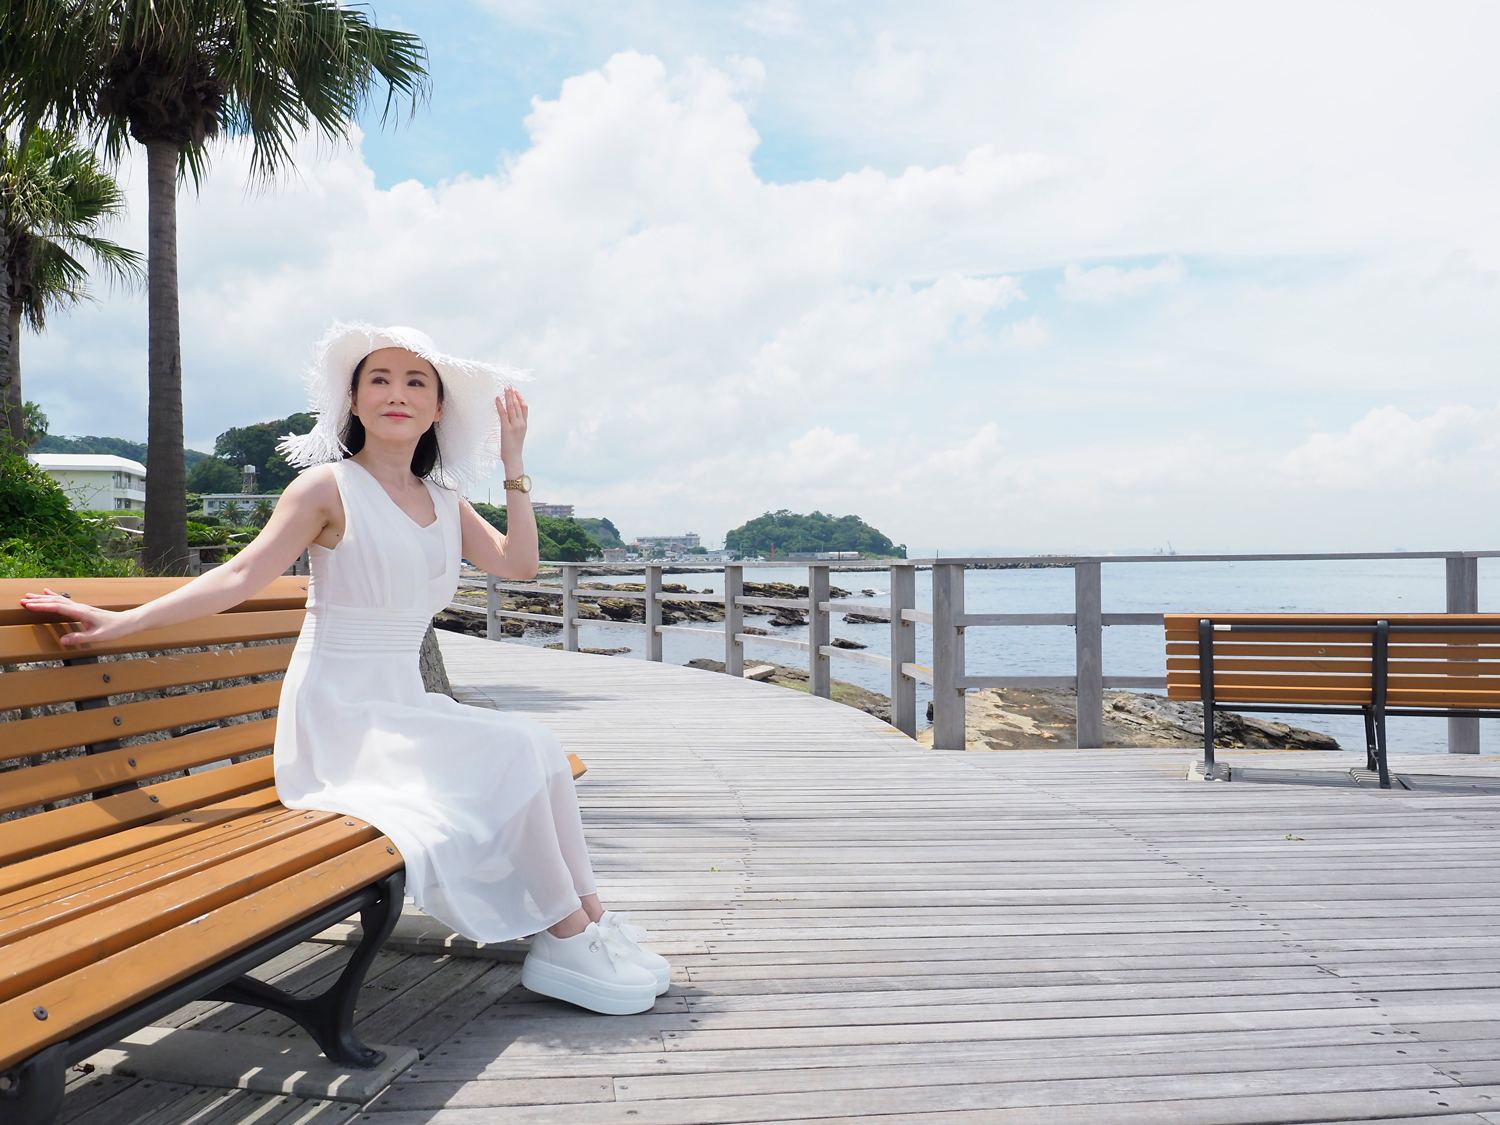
(947, 619)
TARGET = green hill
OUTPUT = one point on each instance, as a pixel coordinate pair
(789, 533)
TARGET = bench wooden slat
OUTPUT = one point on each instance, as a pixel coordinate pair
(70, 777)
(286, 592)
(61, 900)
(79, 728)
(64, 861)
(43, 832)
(1355, 667)
(25, 644)
(64, 948)
(201, 833)
(80, 999)
(35, 687)
(1187, 623)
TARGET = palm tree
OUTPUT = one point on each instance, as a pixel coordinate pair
(53, 195)
(173, 74)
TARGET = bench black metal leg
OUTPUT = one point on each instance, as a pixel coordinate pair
(1380, 673)
(31, 1092)
(1206, 692)
(329, 1017)
(1370, 739)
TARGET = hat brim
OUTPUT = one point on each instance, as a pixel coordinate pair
(468, 434)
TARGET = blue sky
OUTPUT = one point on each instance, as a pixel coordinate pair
(1089, 276)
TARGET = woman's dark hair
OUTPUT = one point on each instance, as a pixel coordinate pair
(426, 457)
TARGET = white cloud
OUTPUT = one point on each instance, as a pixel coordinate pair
(1108, 283)
(893, 77)
(1455, 446)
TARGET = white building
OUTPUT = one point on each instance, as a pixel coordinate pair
(214, 503)
(553, 511)
(99, 482)
(668, 544)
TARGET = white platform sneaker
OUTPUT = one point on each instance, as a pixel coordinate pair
(631, 937)
(595, 970)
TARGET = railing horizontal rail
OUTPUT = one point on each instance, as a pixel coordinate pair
(528, 588)
(916, 672)
(873, 659)
(1132, 619)
(518, 615)
(607, 621)
(717, 599)
(779, 642)
(918, 616)
(976, 682)
(969, 620)
(781, 603)
(688, 630)
(881, 611)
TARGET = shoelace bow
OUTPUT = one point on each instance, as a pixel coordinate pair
(621, 925)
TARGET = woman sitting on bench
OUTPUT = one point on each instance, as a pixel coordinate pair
(480, 803)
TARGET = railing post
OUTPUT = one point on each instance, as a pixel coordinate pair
(1088, 618)
(492, 602)
(570, 607)
(903, 649)
(734, 621)
(947, 657)
(1463, 597)
(818, 665)
(653, 611)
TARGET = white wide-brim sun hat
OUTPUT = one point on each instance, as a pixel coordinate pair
(468, 433)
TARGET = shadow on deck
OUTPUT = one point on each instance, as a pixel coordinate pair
(862, 928)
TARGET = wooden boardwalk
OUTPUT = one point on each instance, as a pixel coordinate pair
(864, 929)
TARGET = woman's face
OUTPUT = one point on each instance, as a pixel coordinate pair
(397, 396)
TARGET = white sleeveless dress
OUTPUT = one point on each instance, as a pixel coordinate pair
(480, 803)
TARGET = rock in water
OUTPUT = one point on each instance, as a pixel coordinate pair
(430, 659)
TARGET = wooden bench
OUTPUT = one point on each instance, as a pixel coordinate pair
(128, 887)
(1336, 664)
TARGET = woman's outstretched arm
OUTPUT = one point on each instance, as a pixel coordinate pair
(309, 510)
(514, 554)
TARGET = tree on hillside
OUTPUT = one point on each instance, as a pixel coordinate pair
(120, 447)
(256, 445)
(557, 540)
(789, 533)
(54, 195)
(601, 531)
(214, 475)
(174, 74)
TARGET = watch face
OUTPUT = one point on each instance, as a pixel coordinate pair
(525, 483)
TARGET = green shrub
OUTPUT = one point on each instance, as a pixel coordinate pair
(206, 535)
(40, 534)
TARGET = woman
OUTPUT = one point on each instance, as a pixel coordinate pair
(480, 803)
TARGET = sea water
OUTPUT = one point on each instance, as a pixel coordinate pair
(1157, 586)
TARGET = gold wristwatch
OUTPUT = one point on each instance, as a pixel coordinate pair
(521, 483)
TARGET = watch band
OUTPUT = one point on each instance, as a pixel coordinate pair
(521, 483)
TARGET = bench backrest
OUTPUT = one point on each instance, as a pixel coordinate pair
(107, 763)
(1432, 660)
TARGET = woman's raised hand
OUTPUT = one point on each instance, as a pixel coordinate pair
(101, 624)
(512, 409)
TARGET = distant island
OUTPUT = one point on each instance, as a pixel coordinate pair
(787, 533)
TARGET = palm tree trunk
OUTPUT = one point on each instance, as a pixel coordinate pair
(165, 541)
(6, 336)
(12, 407)
(15, 403)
